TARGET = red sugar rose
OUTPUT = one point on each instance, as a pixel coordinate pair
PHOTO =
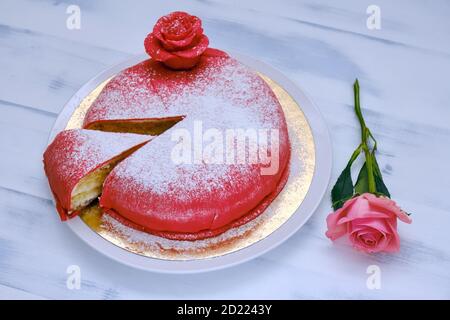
(177, 40)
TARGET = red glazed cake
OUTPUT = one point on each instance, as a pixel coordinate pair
(195, 199)
(222, 149)
(77, 162)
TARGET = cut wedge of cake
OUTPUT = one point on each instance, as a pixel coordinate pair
(78, 161)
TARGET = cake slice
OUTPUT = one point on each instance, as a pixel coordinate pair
(77, 162)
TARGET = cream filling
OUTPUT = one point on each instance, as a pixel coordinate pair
(90, 186)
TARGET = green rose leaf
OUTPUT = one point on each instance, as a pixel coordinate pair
(343, 189)
(362, 183)
(381, 187)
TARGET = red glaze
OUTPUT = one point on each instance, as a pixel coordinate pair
(75, 153)
(135, 93)
(204, 234)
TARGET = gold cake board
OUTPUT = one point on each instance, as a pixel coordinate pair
(279, 211)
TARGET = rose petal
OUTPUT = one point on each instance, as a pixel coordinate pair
(177, 26)
(357, 209)
(368, 238)
(357, 244)
(384, 244)
(155, 50)
(195, 51)
(377, 224)
(343, 211)
(335, 233)
(393, 244)
(334, 230)
(365, 215)
(157, 34)
(357, 239)
(175, 45)
(387, 205)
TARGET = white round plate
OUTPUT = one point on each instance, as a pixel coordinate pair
(315, 193)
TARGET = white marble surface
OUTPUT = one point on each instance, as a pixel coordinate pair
(404, 70)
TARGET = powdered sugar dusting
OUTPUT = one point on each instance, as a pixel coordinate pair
(130, 95)
(89, 148)
(235, 98)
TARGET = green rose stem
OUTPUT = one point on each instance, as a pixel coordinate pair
(365, 134)
(369, 178)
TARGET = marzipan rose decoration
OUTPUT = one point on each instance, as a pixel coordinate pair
(364, 212)
(177, 40)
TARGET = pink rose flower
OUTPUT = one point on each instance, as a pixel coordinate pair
(369, 221)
